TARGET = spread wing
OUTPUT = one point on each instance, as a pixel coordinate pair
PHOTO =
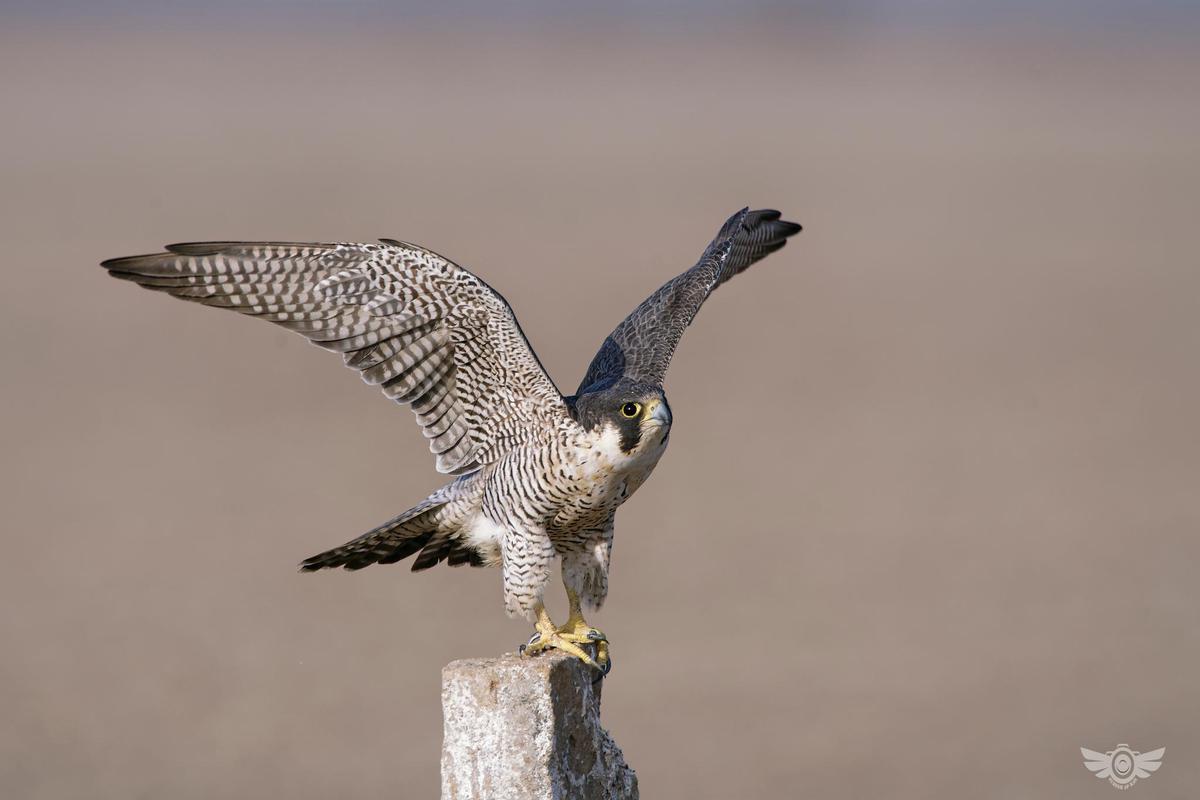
(1145, 763)
(1098, 763)
(426, 331)
(641, 347)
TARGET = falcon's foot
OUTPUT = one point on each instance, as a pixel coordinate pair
(568, 639)
(577, 630)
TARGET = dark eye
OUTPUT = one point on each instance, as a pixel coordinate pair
(631, 410)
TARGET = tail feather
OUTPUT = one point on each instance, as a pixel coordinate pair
(462, 553)
(393, 541)
(435, 550)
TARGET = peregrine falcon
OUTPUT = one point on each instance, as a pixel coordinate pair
(539, 474)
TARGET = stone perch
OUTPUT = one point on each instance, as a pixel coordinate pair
(521, 728)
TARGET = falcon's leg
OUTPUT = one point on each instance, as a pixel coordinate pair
(579, 631)
(549, 636)
(585, 577)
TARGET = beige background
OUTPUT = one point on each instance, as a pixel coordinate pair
(928, 522)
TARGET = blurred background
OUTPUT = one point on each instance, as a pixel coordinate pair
(928, 523)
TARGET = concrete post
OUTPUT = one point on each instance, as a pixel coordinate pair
(528, 729)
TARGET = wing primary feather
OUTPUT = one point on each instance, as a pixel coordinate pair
(641, 347)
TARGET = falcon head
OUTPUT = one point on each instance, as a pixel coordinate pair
(637, 412)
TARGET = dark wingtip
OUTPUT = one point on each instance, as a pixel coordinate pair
(198, 248)
(774, 217)
(122, 263)
(122, 275)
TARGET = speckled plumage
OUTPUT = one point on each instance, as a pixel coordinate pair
(539, 475)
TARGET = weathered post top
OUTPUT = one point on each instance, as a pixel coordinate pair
(528, 729)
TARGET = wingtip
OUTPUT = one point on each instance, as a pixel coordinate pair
(197, 248)
(775, 217)
(125, 275)
(121, 263)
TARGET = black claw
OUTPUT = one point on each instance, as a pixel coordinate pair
(535, 638)
(521, 649)
(596, 636)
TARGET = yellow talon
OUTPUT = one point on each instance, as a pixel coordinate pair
(580, 632)
(569, 637)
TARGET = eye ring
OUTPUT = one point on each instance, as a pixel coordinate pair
(631, 410)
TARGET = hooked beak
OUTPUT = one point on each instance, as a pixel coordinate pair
(658, 413)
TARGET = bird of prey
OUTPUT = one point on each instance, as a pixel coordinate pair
(539, 475)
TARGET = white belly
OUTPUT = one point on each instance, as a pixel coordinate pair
(484, 535)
